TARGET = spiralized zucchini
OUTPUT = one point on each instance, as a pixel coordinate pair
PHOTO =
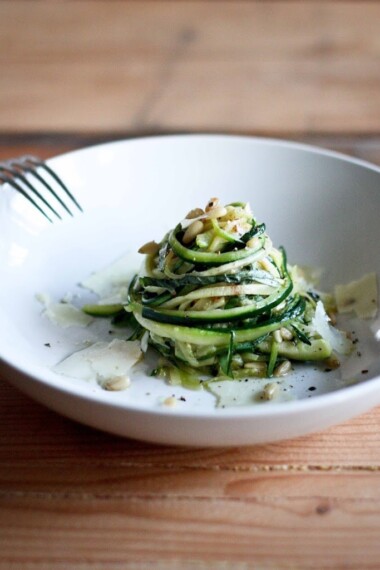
(218, 300)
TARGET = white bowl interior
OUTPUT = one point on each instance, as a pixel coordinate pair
(322, 207)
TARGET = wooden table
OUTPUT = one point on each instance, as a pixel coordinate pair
(78, 73)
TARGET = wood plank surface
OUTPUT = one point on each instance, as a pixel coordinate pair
(79, 73)
(265, 67)
(166, 528)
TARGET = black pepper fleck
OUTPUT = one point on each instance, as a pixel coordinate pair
(312, 388)
(364, 371)
(47, 344)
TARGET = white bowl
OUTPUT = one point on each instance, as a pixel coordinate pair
(322, 206)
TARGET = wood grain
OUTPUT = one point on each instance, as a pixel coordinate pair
(264, 67)
(79, 73)
(263, 530)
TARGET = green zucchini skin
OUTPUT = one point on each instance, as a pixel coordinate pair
(318, 349)
(204, 337)
(189, 279)
(219, 316)
(198, 319)
(102, 310)
(206, 258)
(218, 337)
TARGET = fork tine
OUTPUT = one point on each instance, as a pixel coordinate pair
(37, 162)
(18, 172)
(6, 178)
(15, 172)
(20, 164)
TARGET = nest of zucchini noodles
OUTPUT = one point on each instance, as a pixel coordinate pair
(217, 300)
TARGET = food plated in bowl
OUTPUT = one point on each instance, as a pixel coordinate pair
(132, 192)
(218, 301)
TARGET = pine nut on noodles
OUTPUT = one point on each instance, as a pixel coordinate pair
(277, 336)
(150, 247)
(192, 231)
(212, 203)
(256, 367)
(253, 242)
(217, 212)
(194, 213)
(286, 333)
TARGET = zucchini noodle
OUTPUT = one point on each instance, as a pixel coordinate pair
(219, 301)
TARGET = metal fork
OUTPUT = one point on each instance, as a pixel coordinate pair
(32, 177)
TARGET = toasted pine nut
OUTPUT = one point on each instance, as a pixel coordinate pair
(192, 231)
(218, 212)
(286, 333)
(282, 369)
(257, 367)
(253, 242)
(194, 213)
(332, 362)
(150, 247)
(170, 402)
(237, 361)
(277, 336)
(212, 203)
(117, 383)
(270, 390)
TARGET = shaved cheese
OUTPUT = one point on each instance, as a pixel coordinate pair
(359, 296)
(43, 298)
(103, 362)
(114, 278)
(305, 278)
(144, 341)
(63, 314)
(66, 315)
(336, 339)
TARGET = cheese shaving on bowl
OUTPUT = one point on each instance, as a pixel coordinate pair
(358, 296)
(108, 363)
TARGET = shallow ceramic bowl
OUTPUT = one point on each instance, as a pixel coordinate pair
(324, 207)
